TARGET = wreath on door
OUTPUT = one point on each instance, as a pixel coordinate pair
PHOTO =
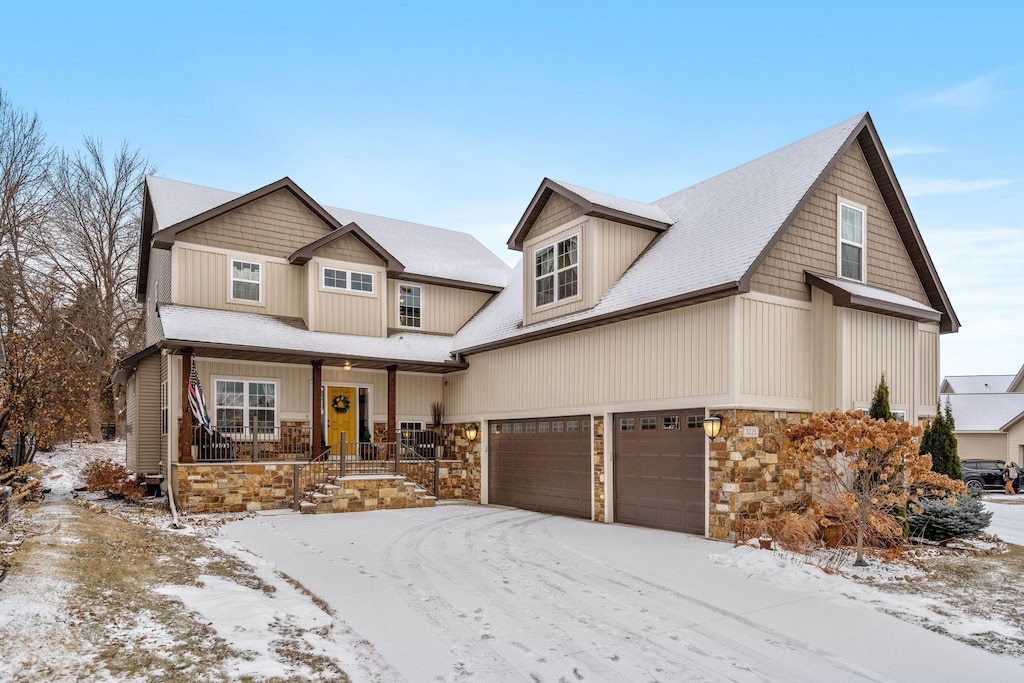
(341, 403)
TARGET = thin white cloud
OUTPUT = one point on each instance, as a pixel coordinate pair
(913, 150)
(969, 97)
(923, 187)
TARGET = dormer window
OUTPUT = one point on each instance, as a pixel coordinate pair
(852, 219)
(246, 281)
(556, 271)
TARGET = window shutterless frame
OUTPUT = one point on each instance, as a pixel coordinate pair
(556, 271)
(242, 403)
(852, 239)
(410, 306)
(338, 279)
(245, 282)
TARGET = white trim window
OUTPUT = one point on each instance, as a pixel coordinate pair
(407, 432)
(243, 403)
(164, 408)
(556, 271)
(410, 306)
(339, 279)
(246, 281)
(852, 240)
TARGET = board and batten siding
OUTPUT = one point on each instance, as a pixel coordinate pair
(876, 344)
(775, 349)
(147, 423)
(928, 370)
(443, 309)
(276, 225)
(1015, 443)
(131, 409)
(810, 242)
(981, 445)
(614, 248)
(345, 312)
(678, 354)
(826, 374)
(202, 279)
(158, 290)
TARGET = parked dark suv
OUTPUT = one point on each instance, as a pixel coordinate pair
(987, 475)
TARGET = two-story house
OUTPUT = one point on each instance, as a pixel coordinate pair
(782, 287)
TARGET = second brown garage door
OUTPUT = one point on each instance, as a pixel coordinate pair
(659, 470)
(541, 464)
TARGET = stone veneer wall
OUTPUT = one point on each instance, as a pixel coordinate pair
(459, 476)
(744, 471)
(371, 493)
(235, 487)
(599, 467)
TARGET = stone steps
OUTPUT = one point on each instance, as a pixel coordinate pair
(357, 494)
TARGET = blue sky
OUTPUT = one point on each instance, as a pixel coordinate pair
(451, 113)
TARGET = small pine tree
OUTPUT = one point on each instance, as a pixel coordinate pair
(940, 442)
(880, 403)
(935, 519)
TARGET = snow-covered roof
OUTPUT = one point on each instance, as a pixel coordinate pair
(259, 332)
(984, 412)
(977, 384)
(600, 199)
(423, 250)
(873, 298)
(720, 228)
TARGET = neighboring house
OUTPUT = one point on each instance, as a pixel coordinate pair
(989, 414)
(785, 286)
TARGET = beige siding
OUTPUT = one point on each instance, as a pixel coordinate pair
(416, 393)
(928, 368)
(974, 446)
(203, 280)
(614, 248)
(132, 423)
(775, 349)
(174, 397)
(293, 383)
(158, 290)
(584, 273)
(349, 314)
(825, 357)
(810, 242)
(672, 355)
(275, 225)
(349, 248)
(444, 309)
(149, 452)
(877, 344)
(1015, 444)
(556, 211)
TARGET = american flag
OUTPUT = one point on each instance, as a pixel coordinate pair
(196, 400)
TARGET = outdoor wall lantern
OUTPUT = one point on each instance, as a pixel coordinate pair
(712, 426)
(471, 432)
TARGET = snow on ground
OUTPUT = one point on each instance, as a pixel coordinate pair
(1007, 516)
(462, 593)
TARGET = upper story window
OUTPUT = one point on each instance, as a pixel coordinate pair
(246, 281)
(349, 280)
(851, 240)
(410, 312)
(556, 271)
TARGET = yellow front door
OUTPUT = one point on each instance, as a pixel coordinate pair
(341, 417)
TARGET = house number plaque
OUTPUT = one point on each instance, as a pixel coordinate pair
(751, 432)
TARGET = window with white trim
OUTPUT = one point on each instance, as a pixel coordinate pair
(410, 311)
(164, 408)
(240, 404)
(852, 219)
(407, 431)
(346, 280)
(246, 281)
(556, 271)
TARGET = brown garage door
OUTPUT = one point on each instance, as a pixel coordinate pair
(541, 464)
(659, 470)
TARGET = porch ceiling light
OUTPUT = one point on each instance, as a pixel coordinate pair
(347, 365)
(471, 433)
(712, 426)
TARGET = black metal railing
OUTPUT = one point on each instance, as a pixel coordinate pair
(252, 444)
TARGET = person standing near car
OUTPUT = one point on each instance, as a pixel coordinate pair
(1010, 475)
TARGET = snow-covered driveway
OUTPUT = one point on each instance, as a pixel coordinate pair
(491, 594)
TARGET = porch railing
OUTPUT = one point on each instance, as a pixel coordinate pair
(252, 444)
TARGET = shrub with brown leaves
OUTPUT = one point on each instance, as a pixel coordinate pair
(113, 478)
